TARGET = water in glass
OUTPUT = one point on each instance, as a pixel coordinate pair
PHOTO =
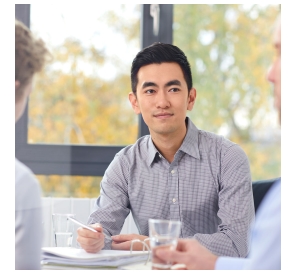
(161, 242)
(63, 239)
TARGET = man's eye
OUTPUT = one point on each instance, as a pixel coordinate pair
(149, 91)
(174, 89)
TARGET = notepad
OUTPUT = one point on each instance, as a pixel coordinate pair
(68, 256)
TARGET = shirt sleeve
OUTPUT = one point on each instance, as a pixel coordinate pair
(236, 206)
(229, 263)
(113, 206)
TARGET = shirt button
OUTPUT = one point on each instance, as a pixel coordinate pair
(174, 200)
(173, 171)
(159, 156)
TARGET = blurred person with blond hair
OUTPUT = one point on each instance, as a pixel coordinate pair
(30, 57)
(265, 247)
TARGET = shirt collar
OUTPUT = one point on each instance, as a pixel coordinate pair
(152, 151)
(188, 146)
(190, 142)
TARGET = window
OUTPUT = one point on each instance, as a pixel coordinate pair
(79, 116)
(53, 143)
(81, 97)
(70, 185)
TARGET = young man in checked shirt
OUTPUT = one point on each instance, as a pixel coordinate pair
(178, 172)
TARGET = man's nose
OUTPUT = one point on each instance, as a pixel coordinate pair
(162, 100)
(270, 74)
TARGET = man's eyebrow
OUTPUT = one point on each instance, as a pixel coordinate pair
(148, 84)
(173, 83)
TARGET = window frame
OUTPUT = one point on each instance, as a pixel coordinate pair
(83, 160)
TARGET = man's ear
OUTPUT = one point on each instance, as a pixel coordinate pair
(134, 102)
(191, 99)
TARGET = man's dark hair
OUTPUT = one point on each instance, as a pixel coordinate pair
(160, 53)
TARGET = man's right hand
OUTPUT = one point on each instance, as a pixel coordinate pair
(90, 241)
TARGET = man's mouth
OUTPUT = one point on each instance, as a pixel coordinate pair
(163, 115)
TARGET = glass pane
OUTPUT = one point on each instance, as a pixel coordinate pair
(82, 96)
(229, 49)
(70, 186)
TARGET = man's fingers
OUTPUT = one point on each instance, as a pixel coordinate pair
(170, 256)
(90, 241)
(184, 244)
(89, 234)
(93, 248)
(97, 226)
(121, 246)
(123, 237)
(91, 245)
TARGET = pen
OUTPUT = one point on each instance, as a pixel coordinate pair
(85, 226)
(82, 225)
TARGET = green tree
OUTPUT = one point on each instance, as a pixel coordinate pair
(73, 104)
(229, 48)
(70, 106)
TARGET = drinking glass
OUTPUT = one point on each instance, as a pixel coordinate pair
(163, 234)
(63, 229)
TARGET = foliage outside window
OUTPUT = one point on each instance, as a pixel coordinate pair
(229, 49)
(82, 97)
(70, 186)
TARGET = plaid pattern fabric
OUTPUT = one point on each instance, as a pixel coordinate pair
(207, 187)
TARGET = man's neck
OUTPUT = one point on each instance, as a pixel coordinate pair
(168, 144)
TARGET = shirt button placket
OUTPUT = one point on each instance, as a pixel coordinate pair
(174, 207)
(174, 188)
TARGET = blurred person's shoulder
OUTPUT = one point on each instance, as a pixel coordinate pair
(27, 188)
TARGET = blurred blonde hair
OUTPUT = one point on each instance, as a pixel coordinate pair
(30, 56)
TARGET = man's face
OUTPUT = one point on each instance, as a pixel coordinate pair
(274, 74)
(162, 98)
(21, 103)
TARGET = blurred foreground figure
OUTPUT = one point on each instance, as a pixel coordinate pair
(266, 232)
(30, 56)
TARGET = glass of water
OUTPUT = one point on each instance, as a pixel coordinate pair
(163, 234)
(63, 229)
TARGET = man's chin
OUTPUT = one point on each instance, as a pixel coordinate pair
(164, 131)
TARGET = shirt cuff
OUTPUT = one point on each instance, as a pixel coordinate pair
(229, 263)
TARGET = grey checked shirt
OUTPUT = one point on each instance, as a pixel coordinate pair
(207, 187)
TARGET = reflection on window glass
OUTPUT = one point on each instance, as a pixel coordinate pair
(70, 186)
(82, 96)
(229, 49)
